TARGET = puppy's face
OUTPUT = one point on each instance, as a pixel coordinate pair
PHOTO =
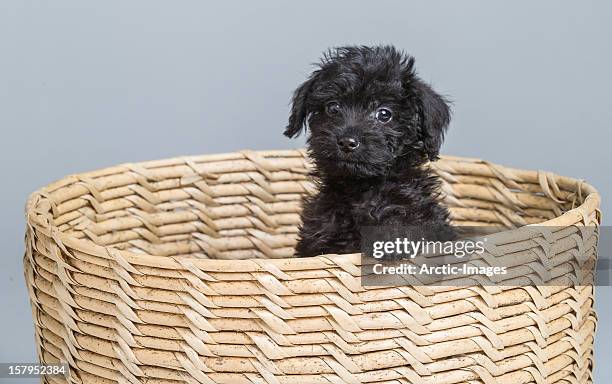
(367, 113)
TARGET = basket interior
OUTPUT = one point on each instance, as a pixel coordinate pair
(247, 205)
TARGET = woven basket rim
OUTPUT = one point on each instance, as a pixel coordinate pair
(39, 199)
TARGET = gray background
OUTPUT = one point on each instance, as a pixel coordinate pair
(84, 85)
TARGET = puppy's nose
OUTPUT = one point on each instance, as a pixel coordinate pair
(348, 144)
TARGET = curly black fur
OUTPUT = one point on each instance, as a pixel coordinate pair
(384, 180)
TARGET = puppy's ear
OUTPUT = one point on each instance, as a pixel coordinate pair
(299, 107)
(434, 116)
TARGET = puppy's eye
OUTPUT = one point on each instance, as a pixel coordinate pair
(332, 108)
(384, 115)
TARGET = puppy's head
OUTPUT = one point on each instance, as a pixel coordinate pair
(368, 113)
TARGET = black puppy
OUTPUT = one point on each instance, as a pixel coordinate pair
(373, 126)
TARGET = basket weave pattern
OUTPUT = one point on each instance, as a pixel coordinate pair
(180, 271)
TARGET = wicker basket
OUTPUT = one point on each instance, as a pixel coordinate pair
(181, 270)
